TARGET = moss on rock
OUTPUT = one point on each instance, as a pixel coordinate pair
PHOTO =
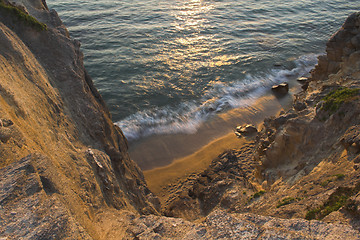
(22, 16)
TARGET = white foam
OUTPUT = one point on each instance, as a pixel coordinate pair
(188, 116)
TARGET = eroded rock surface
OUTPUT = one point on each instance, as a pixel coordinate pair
(222, 225)
(304, 162)
(66, 174)
(50, 108)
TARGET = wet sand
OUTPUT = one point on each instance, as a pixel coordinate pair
(159, 178)
(168, 159)
(162, 150)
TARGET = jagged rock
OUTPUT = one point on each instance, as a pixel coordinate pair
(29, 206)
(299, 106)
(222, 225)
(302, 80)
(83, 169)
(356, 166)
(305, 86)
(351, 139)
(282, 119)
(52, 108)
(6, 123)
(339, 47)
(281, 89)
(246, 130)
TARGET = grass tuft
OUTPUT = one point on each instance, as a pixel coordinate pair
(257, 195)
(285, 201)
(336, 200)
(339, 176)
(335, 98)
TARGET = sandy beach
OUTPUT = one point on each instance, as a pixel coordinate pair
(169, 158)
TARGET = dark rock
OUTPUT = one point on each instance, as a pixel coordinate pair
(356, 166)
(302, 80)
(6, 123)
(223, 225)
(246, 130)
(298, 106)
(282, 119)
(237, 134)
(281, 89)
(351, 139)
(305, 86)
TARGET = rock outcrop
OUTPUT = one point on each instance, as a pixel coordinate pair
(222, 225)
(341, 46)
(281, 89)
(65, 172)
(245, 130)
(62, 158)
(304, 163)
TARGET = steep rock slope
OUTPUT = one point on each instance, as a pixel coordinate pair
(65, 172)
(62, 158)
(303, 163)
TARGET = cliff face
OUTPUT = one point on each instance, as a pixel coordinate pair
(303, 163)
(62, 158)
(65, 172)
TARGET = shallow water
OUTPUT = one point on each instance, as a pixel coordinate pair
(166, 66)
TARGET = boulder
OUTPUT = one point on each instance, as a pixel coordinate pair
(246, 130)
(351, 139)
(299, 106)
(281, 89)
(302, 80)
(305, 86)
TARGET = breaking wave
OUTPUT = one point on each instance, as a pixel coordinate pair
(188, 116)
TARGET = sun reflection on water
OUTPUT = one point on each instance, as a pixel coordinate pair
(194, 47)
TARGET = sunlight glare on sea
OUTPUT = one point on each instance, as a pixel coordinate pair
(167, 66)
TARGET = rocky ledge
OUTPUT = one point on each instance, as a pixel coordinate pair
(303, 163)
(66, 173)
(62, 159)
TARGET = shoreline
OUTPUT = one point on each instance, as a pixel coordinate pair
(158, 178)
(162, 150)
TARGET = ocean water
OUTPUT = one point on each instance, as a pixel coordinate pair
(167, 66)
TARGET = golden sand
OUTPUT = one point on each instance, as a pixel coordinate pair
(180, 168)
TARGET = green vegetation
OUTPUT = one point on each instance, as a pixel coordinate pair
(22, 16)
(335, 204)
(326, 182)
(339, 176)
(285, 201)
(336, 200)
(335, 98)
(258, 194)
(312, 214)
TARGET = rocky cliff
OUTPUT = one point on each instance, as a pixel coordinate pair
(66, 174)
(62, 159)
(303, 163)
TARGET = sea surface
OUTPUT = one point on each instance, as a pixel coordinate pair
(167, 66)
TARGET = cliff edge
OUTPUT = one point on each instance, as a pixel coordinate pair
(65, 172)
(302, 164)
(62, 159)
